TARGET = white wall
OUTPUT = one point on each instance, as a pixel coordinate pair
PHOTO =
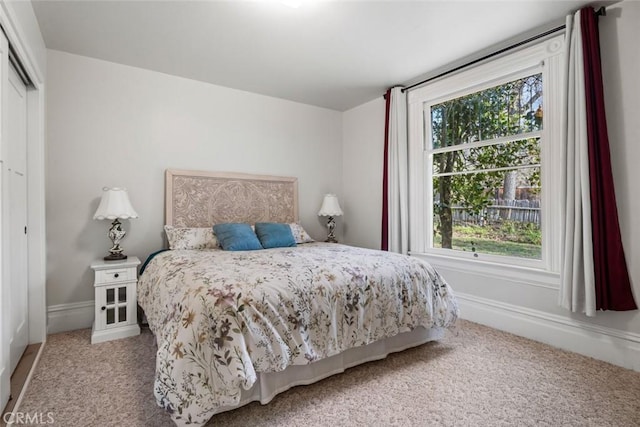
(619, 35)
(362, 161)
(518, 304)
(114, 125)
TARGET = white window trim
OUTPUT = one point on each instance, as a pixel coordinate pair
(513, 273)
(543, 56)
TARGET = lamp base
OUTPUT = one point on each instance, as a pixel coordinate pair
(115, 257)
(116, 233)
(331, 225)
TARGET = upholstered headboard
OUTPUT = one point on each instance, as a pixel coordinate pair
(201, 199)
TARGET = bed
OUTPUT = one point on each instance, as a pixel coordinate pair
(234, 327)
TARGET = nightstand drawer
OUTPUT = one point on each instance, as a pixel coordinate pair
(116, 275)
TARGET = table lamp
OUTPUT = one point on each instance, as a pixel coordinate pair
(115, 205)
(330, 208)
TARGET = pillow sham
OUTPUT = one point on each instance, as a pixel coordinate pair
(236, 237)
(299, 233)
(191, 238)
(275, 235)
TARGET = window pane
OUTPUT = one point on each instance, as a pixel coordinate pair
(111, 316)
(110, 296)
(489, 212)
(508, 109)
(517, 153)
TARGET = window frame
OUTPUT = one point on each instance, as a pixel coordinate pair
(545, 56)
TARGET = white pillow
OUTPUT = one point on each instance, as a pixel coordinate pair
(191, 238)
(300, 234)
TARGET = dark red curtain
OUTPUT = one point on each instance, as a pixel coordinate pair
(613, 287)
(384, 244)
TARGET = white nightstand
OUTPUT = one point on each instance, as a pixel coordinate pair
(115, 299)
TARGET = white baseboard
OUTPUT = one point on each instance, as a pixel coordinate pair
(114, 333)
(610, 345)
(69, 317)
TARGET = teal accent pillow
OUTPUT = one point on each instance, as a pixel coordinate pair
(236, 237)
(275, 235)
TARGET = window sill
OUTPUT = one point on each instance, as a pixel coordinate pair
(515, 273)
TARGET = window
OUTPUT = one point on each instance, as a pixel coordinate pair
(485, 171)
(485, 160)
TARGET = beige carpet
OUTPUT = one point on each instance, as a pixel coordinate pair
(476, 376)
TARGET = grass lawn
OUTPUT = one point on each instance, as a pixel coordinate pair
(508, 239)
(497, 247)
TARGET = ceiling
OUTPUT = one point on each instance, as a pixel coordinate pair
(333, 54)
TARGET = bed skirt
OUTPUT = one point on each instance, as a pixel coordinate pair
(271, 384)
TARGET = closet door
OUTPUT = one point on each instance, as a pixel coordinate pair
(13, 214)
(17, 180)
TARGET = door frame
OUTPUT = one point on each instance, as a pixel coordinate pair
(36, 237)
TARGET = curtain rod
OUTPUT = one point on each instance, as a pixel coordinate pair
(600, 12)
(490, 55)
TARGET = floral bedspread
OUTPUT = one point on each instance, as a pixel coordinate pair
(219, 317)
